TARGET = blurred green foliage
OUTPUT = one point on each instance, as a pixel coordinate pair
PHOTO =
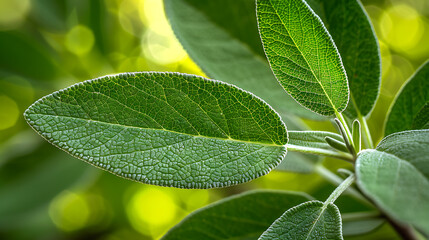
(46, 45)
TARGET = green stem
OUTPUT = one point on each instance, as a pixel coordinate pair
(336, 180)
(367, 133)
(346, 127)
(318, 151)
(340, 189)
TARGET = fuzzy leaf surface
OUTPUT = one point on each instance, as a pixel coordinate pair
(410, 109)
(309, 220)
(244, 216)
(166, 129)
(396, 174)
(350, 27)
(302, 55)
(222, 37)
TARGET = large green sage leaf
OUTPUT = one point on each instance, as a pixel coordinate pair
(244, 216)
(309, 220)
(165, 129)
(222, 37)
(396, 174)
(302, 55)
(350, 27)
(410, 109)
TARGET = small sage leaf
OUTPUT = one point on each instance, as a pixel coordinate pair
(396, 174)
(166, 129)
(244, 216)
(313, 139)
(309, 220)
(302, 55)
(409, 110)
(222, 37)
(350, 27)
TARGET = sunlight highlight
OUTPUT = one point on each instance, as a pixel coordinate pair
(69, 211)
(9, 114)
(79, 40)
(401, 27)
(150, 208)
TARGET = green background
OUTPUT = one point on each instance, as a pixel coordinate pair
(46, 45)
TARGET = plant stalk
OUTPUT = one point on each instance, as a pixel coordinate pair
(318, 151)
(367, 133)
(340, 189)
(336, 180)
(405, 231)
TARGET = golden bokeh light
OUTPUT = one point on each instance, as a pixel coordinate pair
(9, 113)
(151, 209)
(13, 13)
(401, 27)
(69, 211)
(80, 40)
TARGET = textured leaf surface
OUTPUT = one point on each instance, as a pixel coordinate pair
(396, 174)
(243, 216)
(309, 220)
(222, 37)
(302, 55)
(410, 109)
(350, 27)
(166, 129)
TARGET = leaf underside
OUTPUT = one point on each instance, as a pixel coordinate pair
(302, 55)
(356, 41)
(222, 37)
(309, 220)
(410, 109)
(396, 174)
(243, 216)
(165, 129)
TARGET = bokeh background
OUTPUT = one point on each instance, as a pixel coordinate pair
(46, 45)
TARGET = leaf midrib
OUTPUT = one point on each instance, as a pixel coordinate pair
(305, 59)
(162, 129)
(324, 207)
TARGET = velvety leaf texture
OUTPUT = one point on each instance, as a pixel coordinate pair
(244, 216)
(166, 129)
(222, 37)
(410, 109)
(396, 174)
(309, 220)
(302, 55)
(350, 27)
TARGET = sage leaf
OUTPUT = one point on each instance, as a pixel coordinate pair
(302, 55)
(361, 227)
(298, 162)
(222, 37)
(396, 174)
(243, 216)
(166, 129)
(409, 109)
(313, 139)
(350, 27)
(309, 220)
